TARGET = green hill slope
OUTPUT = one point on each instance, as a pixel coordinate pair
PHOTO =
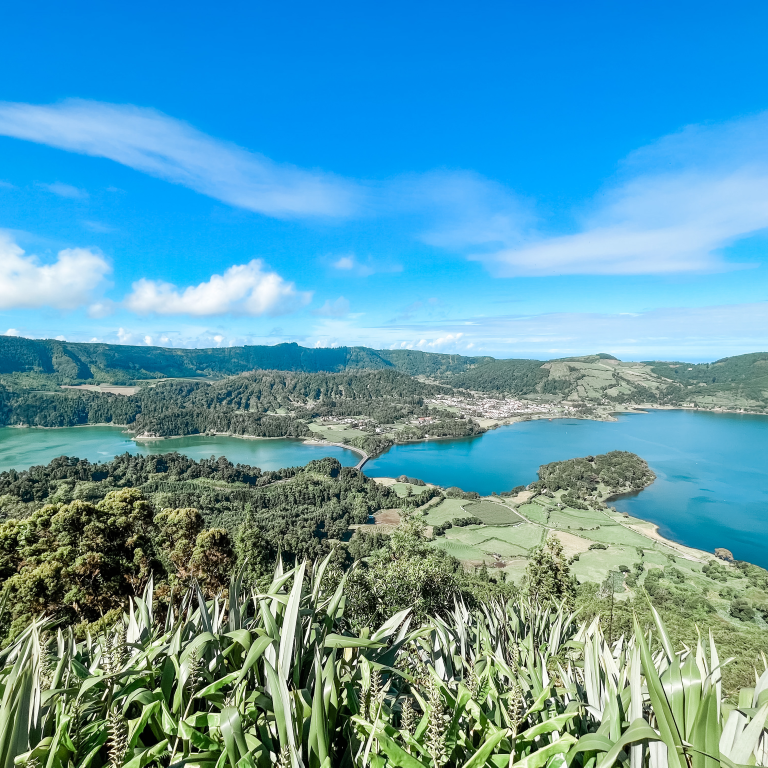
(740, 381)
(735, 382)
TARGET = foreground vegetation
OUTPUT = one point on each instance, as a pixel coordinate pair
(77, 540)
(277, 677)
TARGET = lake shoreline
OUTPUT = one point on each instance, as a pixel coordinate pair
(710, 493)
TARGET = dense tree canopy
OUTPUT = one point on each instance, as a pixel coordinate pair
(618, 470)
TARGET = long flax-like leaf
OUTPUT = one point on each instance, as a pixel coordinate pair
(289, 628)
(705, 734)
(668, 728)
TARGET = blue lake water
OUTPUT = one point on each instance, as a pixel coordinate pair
(711, 491)
(21, 448)
(712, 469)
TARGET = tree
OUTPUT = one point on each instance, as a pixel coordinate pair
(548, 577)
(407, 572)
(78, 561)
(212, 560)
(177, 536)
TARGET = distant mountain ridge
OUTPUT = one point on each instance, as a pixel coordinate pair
(739, 382)
(118, 363)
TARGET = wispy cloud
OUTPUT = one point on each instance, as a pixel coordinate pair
(338, 308)
(64, 190)
(97, 226)
(67, 283)
(351, 265)
(681, 333)
(161, 146)
(244, 289)
(674, 207)
(344, 263)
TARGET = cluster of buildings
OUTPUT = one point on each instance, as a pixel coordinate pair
(491, 408)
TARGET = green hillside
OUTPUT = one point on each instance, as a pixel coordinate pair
(118, 363)
(735, 382)
(741, 380)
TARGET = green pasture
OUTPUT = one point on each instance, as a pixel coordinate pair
(576, 518)
(524, 536)
(401, 489)
(503, 548)
(458, 549)
(612, 533)
(492, 513)
(336, 433)
(595, 564)
(446, 510)
(534, 512)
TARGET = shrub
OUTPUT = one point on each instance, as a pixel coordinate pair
(456, 493)
(462, 522)
(742, 610)
(598, 545)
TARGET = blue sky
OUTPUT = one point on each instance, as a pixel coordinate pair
(514, 179)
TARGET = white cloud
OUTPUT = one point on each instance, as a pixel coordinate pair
(682, 333)
(351, 264)
(338, 308)
(67, 283)
(101, 308)
(466, 210)
(170, 149)
(11, 332)
(345, 262)
(244, 289)
(450, 340)
(65, 190)
(674, 207)
(97, 226)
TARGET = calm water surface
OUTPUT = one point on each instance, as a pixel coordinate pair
(24, 447)
(712, 468)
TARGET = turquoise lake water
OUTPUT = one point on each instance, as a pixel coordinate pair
(712, 469)
(21, 448)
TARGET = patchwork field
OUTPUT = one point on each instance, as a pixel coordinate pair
(447, 510)
(506, 538)
(335, 433)
(492, 513)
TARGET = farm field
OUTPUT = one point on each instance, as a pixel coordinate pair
(606, 550)
(447, 510)
(506, 545)
(492, 513)
(335, 433)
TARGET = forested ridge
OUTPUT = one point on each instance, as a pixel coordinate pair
(29, 365)
(262, 404)
(70, 362)
(71, 521)
(618, 471)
